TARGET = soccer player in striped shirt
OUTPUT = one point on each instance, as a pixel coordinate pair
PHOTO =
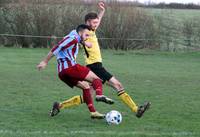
(74, 74)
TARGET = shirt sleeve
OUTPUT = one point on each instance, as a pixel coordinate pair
(63, 44)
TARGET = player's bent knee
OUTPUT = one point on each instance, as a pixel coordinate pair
(118, 86)
(83, 85)
(86, 86)
(91, 77)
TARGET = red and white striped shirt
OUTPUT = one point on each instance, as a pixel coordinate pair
(66, 51)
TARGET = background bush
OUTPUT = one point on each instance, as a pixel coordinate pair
(124, 25)
(57, 19)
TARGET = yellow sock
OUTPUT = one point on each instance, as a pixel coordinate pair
(74, 101)
(128, 101)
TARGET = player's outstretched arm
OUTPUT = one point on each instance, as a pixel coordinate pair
(44, 62)
(102, 8)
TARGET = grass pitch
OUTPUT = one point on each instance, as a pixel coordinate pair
(169, 80)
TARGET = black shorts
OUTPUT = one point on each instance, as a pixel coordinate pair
(100, 71)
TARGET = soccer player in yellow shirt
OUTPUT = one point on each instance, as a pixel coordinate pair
(93, 61)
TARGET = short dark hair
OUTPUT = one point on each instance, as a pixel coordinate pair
(82, 27)
(91, 15)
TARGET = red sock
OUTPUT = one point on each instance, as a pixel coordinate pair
(97, 85)
(88, 100)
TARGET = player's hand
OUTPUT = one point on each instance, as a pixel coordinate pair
(101, 5)
(42, 65)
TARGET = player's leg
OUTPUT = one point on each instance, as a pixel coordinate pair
(124, 96)
(76, 100)
(97, 86)
(92, 91)
(97, 69)
(73, 101)
(113, 82)
(88, 99)
(86, 94)
(96, 83)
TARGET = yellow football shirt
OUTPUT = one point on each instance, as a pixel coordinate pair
(94, 52)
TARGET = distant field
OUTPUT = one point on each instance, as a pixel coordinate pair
(169, 80)
(177, 13)
(179, 29)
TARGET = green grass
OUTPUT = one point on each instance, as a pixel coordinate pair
(169, 80)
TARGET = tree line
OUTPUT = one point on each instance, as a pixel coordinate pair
(172, 6)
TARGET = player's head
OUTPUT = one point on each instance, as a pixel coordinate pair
(92, 20)
(83, 31)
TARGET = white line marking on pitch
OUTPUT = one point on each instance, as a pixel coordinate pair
(185, 133)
